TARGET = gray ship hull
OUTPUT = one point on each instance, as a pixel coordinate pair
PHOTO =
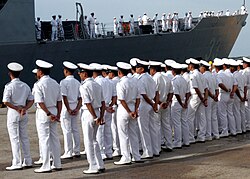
(212, 37)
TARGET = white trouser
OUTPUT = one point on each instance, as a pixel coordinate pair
(155, 131)
(243, 116)
(54, 34)
(17, 129)
(91, 145)
(92, 31)
(70, 131)
(156, 28)
(225, 112)
(104, 135)
(127, 134)
(208, 113)
(237, 114)
(144, 126)
(166, 129)
(180, 124)
(132, 29)
(196, 109)
(247, 109)
(214, 118)
(39, 143)
(48, 138)
(116, 144)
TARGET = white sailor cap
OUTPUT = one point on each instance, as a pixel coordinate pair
(105, 67)
(193, 61)
(240, 62)
(123, 65)
(204, 63)
(84, 67)
(142, 63)
(168, 62)
(163, 65)
(43, 64)
(15, 66)
(34, 70)
(154, 63)
(164, 14)
(218, 62)
(234, 62)
(96, 66)
(245, 59)
(184, 66)
(226, 61)
(69, 65)
(133, 61)
(176, 66)
(113, 68)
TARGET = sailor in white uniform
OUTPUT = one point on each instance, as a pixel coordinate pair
(70, 111)
(190, 21)
(93, 106)
(115, 26)
(145, 19)
(18, 98)
(162, 118)
(197, 103)
(169, 23)
(91, 25)
(168, 68)
(54, 31)
(38, 26)
(47, 94)
(179, 106)
(246, 73)
(186, 21)
(60, 28)
(163, 22)
(120, 26)
(175, 22)
(156, 26)
(211, 109)
(128, 96)
(104, 133)
(132, 24)
(146, 110)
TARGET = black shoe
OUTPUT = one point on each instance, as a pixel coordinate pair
(185, 145)
(77, 156)
(110, 158)
(138, 161)
(167, 150)
(177, 147)
(56, 169)
(200, 141)
(158, 155)
(101, 170)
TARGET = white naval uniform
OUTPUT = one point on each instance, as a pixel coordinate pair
(175, 23)
(69, 123)
(54, 32)
(162, 118)
(246, 73)
(120, 26)
(91, 21)
(91, 92)
(38, 30)
(196, 107)
(225, 104)
(18, 93)
(168, 22)
(190, 21)
(60, 28)
(104, 133)
(132, 25)
(115, 27)
(48, 91)
(146, 116)
(115, 136)
(163, 23)
(156, 26)
(238, 105)
(211, 109)
(178, 114)
(128, 90)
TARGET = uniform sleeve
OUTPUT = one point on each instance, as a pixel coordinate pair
(219, 79)
(175, 87)
(114, 90)
(235, 81)
(85, 95)
(64, 90)
(7, 94)
(120, 92)
(59, 97)
(38, 94)
(194, 81)
(157, 82)
(30, 95)
(142, 87)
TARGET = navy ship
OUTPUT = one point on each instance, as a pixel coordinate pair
(211, 37)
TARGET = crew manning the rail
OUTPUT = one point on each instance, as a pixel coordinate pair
(161, 107)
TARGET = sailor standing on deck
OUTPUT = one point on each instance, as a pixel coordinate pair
(163, 22)
(190, 21)
(179, 108)
(145, 19)
(69, 116)
(93, 106)
(186, 21)
(18, 98)
(169, 23)
(128, 95)
(175, 21)
(91, 25)
(156, 27)
(48, 98)
(60, 28)
(115, 26)
(120, 26)
(54, 25)
(132, 24)
(38, 26)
